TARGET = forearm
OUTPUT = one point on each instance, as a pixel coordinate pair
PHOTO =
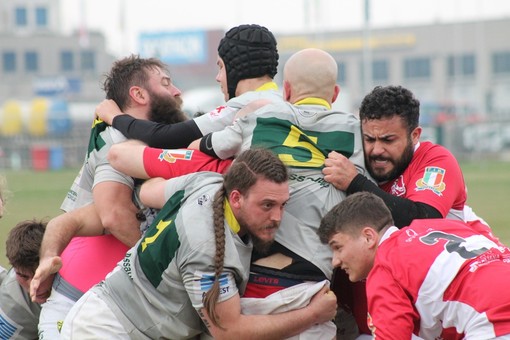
(274, 326)
(166, 136)
(61, 229)
(403, 210)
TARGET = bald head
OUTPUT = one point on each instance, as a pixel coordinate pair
(310, 73)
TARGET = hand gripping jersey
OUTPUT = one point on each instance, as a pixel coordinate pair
(433, 177)
(436, 275)
(224, 116)
(18, 314)
(156, 290)
(302, 136)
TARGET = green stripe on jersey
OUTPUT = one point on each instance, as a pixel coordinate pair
(299, 148)
(161, 241)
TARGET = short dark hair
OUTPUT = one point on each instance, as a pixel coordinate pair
(23, 244)
(127, 72)
(389, 101)
(356, 211)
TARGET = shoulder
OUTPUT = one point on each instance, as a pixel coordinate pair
(247, 97)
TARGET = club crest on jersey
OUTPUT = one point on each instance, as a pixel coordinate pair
(398, 188)
(432, 180)
(217, 111)
(171, 156)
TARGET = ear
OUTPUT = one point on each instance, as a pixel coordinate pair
(286, 90)
(371, 236)
(138, 95)
(335, 93)
(415, 135)
(234, 199)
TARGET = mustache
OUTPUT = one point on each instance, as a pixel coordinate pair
(379, 158)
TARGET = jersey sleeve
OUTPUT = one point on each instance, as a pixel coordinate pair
(391, 313)
(226, 143)
(159, 135)
(438, 181)
(217, 119)
(170, 163)
(102, 170)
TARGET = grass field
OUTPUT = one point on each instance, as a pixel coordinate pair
(39, 195)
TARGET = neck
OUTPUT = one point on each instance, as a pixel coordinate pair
(137, 112)
(251, 84)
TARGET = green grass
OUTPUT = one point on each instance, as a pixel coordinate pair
(32, 195)
(488, 185)
(39, 195)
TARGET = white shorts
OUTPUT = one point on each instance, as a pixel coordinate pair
(91, 318)
(53, 313)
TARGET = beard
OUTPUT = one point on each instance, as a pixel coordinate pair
(399, 165)
(166, 109)
(260, 246)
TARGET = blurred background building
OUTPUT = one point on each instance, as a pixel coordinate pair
(50, 81)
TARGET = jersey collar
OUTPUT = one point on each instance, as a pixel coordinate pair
(313, 101)
(230, 218)
(268, 86)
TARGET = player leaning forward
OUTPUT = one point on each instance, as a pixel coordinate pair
(186, 275)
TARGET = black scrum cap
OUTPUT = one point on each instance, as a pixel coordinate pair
(248, 51)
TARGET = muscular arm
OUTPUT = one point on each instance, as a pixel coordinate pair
(60, 230)
(127, 157)
(169, 136)
(402, 210)
(235, 325)
(117, 212)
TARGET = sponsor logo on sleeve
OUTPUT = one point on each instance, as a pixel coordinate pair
(172, 156)
(220, 112)
(205, 282)
(432, 180)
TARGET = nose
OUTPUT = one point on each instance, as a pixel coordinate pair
(276, 215)
(377, 148)
(175, 91)
(335, 261)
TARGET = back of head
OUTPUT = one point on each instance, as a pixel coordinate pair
(353, 213)
(248, 51)
(311, 72)
(251, 165)
(389, 101)
(23, 244)
(127, 72)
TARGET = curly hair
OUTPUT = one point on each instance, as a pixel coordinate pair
(127, 72)
(389, 101)
(244, 172)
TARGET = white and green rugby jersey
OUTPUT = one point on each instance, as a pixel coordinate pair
(19, 316)
(156, 290)
(302, 136)
(96, 168)
(224, 115)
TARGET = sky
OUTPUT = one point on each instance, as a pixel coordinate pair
(123, 20)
